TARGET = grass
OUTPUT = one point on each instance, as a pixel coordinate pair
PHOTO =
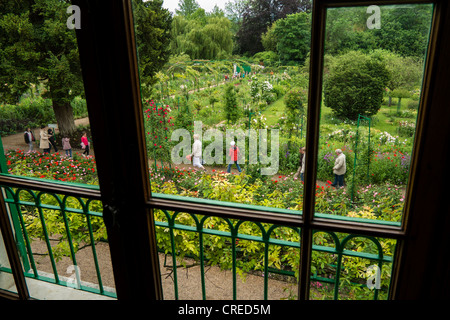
(274, 112)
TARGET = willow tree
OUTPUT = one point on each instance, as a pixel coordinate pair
(203, 37)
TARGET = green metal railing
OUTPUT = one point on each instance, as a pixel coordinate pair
(38, 215)
(198, 225)
(31, 210)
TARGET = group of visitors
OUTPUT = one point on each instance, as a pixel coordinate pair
(47, 142)
(339, 168)
(198, 162)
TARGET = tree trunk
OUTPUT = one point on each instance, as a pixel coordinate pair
(64, 118)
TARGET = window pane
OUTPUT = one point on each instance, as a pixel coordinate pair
(63, 245)
(209, 258)
(373, 70)
(258, 103)
(6, 277)
(42, 90)
(350, 267)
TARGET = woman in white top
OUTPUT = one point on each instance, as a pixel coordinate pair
(197, 153)
(44, 143)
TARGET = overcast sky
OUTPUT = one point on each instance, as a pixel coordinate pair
(208, 5)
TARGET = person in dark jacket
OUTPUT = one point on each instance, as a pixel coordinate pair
(52, 141)
(29, 139)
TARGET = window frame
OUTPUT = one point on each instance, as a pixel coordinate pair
(110, 73)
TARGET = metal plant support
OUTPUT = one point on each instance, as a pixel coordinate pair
(355, 163)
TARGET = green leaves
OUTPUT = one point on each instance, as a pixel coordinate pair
(208, 38)
(355, 86)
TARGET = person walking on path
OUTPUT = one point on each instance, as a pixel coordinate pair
(67, 147)
(43, 142)
(339, 169)
(234, 152)
(197, 153)
(85, 144)
(29, 139)
(51, 140)
(301, 169)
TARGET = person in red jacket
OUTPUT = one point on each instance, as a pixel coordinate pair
(234, 151)
(85, 144)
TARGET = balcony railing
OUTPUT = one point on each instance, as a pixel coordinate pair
(345, 266)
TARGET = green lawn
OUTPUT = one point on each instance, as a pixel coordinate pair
(274, 112)
(383, 121)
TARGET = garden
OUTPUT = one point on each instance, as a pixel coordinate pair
(369, 108)
(375, 189)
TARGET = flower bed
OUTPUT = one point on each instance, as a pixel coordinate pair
(54, 166)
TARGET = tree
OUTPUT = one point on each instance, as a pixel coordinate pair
(405, 73)
(405, 29)
(152, 24)
(355, 85)
(293, 101)
(38, 49)
(231, 109)
(346, 30)
(293, 37)
(202, 38)
(187, 7)
(257, 16)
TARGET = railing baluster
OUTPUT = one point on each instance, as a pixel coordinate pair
(94, 251)
(24, 232)
(266, 265)
(69, 240)
(202, 258)
(174, 259)
(233, 258)
(47, 239)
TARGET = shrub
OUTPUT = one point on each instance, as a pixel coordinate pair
(406, 128)
(231, 109)
(355, 86)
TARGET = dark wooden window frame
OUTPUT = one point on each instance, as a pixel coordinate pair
(109, 62)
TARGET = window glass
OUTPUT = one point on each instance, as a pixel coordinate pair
(372, 80)
(204, 257)
(43, 112)
(219, 126)
(6, 277)
(350, 267)
(62, 244)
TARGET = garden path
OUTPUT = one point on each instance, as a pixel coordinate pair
(16, 141)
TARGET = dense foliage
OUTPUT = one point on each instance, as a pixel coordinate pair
(355, 86)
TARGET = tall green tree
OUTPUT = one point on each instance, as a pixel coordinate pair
(258, 15)
(153, 25)
(231, 109)
(405, 29)
(208, 38)
(290, 38)
(36, 47)
(187, 7)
